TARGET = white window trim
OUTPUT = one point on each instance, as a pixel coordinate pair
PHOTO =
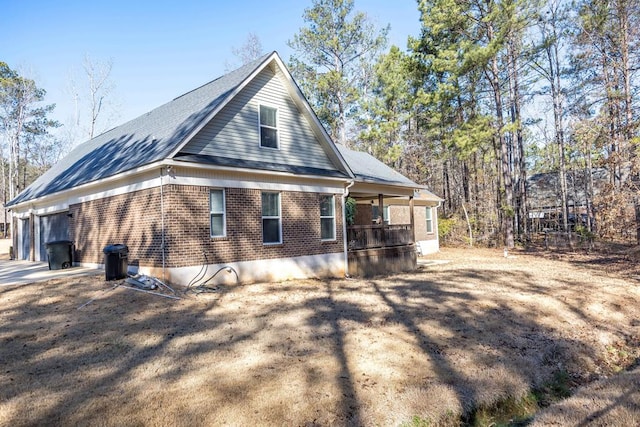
(333, 216)
(224, 213)
(277, 128)
(279, 218)
(429, 219)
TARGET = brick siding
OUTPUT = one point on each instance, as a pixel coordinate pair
(135, 220)
(400, 215)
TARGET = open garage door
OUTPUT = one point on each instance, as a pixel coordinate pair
(53, 228)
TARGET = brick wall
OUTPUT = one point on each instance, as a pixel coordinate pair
(134, 219)
(400, 215)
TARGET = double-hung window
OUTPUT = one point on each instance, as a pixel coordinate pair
(327, 218)
(429, 220)
(271, 218)
(268, 127)
(217, 212)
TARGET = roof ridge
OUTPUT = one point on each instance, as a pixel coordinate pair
(249, 65)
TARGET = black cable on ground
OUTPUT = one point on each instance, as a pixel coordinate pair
(203, 286)
(203, 271)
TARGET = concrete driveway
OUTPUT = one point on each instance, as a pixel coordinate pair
(22, 272)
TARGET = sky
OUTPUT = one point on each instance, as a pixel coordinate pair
(159, 49)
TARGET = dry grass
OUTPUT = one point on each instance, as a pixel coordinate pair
(433, 345)
(609, 402)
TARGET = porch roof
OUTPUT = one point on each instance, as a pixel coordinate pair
(367, 168)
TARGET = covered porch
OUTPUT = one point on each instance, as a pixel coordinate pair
(380, 241)
(382, 227)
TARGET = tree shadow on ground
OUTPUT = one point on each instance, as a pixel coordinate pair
(338, 352)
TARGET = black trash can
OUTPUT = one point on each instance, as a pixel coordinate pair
(60, 254)
(116, 261)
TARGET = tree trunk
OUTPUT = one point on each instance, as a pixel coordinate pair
(555, 82)
(516, 119)
(507, 208)
(629, 128)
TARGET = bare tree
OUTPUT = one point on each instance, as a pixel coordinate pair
(249, 51)
(92, 96)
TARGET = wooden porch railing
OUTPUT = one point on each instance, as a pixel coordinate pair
(378, 236)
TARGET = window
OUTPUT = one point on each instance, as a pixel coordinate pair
(271, 221)
(268, 127)
(375, 213)
(217, 211)
(327, 218)
(429, 220)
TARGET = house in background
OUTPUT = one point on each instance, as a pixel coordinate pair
(544, 198)
(237, 173)
(5, 223)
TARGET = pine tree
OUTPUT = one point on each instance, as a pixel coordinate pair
(332, 60)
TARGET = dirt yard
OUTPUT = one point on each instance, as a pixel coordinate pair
(428, 348)
(5, 244)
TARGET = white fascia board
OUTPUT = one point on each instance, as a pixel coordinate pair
(254, 178)
(405, 202)
(258, 185)
(61, 196)
(135, 180)
(400, 190)
(177, 163)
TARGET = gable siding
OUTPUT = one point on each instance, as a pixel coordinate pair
(234, 131)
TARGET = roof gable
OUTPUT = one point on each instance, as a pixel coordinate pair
(232, 137)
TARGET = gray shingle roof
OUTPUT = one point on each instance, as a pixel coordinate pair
(154, 136)
(369, 169)
(543, 189)
(141, 141)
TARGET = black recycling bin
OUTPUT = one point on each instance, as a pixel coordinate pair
(116, 261)
(60, 254)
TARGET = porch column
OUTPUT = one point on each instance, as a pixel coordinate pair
(14, 235)
(381, 214)
(412, 220)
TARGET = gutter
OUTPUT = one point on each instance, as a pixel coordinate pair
(164, 277)
(345, 194)
(437, 225)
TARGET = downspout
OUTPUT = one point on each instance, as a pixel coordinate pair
(436, 223)
(345, 194)
(164, 279)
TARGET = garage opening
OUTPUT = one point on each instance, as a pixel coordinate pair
(53, 228)
(25, 242)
